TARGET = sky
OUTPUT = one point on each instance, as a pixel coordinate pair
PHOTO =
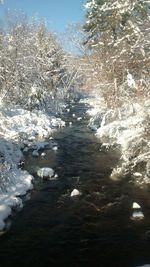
(57, 13)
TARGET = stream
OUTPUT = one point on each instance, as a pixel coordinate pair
(92, 229)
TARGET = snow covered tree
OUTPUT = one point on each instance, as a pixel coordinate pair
(116, 24)
(33, 67)
(118, 36)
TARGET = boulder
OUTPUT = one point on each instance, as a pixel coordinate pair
(43, 154)
(137, 174)
(136, 206)
(55, 148)
(79, 118)
(137, 215)
(45, 173)
(75, 192)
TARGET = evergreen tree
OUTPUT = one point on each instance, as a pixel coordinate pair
(117, 26)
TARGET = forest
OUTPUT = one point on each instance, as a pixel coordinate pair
(39, 79)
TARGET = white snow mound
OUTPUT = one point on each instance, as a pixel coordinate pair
(136, 206)
(137, 215)
(45, 173)
(75, 192)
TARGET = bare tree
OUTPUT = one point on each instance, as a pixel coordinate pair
(34, 69)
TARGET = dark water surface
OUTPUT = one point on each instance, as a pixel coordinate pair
(93, 229)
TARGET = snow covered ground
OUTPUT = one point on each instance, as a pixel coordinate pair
(128, 127)
(20, 130)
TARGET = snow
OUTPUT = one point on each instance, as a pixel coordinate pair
(79, 118)
(137, 174)
(136, 206)
(75, 192)
(125, 127)
(19, 182)
(20, 123)
(137, 215)
(35, 153)
(45, 173)
(55, 148)
(90, 4)
(43, 154)
(20, 130)
(130, 81)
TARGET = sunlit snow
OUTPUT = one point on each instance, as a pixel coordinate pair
(21, 129)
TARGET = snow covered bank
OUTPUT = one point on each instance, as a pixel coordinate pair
(128, 127)
(20, 130)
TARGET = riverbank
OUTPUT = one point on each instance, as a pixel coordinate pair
(20, 131)
(128, 128)
(99, 226)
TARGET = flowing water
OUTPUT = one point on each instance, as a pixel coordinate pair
(93, 229)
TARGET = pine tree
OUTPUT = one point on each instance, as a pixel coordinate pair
(117, 26)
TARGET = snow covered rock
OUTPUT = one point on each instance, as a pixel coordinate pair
(136, 206)
(45, 173)
(75, 192)
(137, 215)
(137, 212)
(43, 154)
(56, 123)
(137, 174)
(55, 148)
(31, 138)
(79, 118)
